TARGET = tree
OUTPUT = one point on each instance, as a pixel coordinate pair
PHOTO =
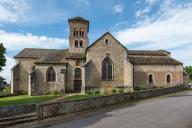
(188, 69)
(2, 56)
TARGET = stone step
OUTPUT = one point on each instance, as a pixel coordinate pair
(16, 121)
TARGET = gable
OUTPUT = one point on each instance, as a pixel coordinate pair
(102, 40)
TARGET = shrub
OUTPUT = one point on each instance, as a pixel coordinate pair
(55, 92)
(121, 90)
(144, 89)
(107, 90)
(114, 90)
(90, 92)
(7, 90)
(137, 88)
(46, 93)
(97, 92)
(24, 93)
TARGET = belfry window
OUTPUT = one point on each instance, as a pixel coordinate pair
(150, 78)
(76, 43)
(81, 43)
(51, 75)
(107, 68)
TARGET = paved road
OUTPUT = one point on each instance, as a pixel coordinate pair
(169, 112)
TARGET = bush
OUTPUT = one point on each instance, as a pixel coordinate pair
(56, 92)
(7, 90)
(97, 92)
(137, 88)
(89, 92)
(24, 93)
(107, 90)
(114, 91)
(46, 93)
(144, 89)
(121, 90)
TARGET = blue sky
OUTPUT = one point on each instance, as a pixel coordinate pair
(138, 24)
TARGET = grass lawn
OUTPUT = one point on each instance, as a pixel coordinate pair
(24, 99)
(80, 96)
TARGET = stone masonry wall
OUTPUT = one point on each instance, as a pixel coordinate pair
(66, 107)
(8, 111)
(97, 53)
(42, 85)
(141, 73)
(25, 65)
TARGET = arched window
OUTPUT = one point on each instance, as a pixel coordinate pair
(51, 75)
(80, 32)
(107, 69)
(76, 43)
(81, 43)
(168, 78)
(77, 73)
(75, 32)
(150, 78)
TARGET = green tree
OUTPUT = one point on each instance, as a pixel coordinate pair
(188, 69)
(2, 56)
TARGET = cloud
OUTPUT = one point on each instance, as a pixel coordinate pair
(12, 10)
(118, 8)
(15, 42)
(18, 41)
(6, 73)
(171, 30)
(24, 12)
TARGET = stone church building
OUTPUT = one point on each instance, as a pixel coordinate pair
(105, 62)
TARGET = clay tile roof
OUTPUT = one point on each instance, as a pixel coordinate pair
(59, 56)
(154, 61)
(53, 57)
(34, 53)
(49, 55)
(148, 53)
(78, 19)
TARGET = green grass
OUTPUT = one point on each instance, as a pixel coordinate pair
(24, 99)
(79, 96)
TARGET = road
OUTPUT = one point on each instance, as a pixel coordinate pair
(169, 112)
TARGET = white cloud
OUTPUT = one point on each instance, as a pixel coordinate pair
(171, 30)
(12, 10)
(118, 8)
(6, 73)
(14, 42)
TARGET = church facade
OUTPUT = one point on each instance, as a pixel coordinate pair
(82, 66)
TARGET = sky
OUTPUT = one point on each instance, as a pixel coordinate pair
(137, 24)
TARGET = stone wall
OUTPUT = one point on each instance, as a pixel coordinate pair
(66, 107)
(83, 26)
(97, 53)
(16, 110)
(25, 65)
(42, 85)
(159, 72)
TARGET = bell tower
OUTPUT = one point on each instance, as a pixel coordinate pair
(78, 38)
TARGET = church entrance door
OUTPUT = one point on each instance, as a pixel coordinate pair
(77, 85)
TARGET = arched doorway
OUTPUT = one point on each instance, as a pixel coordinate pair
(77, 80)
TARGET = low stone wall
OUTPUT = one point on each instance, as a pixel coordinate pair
(65, 107)
(7, 111)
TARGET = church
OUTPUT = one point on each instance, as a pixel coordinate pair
(82, 66)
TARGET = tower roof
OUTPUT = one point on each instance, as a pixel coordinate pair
(78, 19)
